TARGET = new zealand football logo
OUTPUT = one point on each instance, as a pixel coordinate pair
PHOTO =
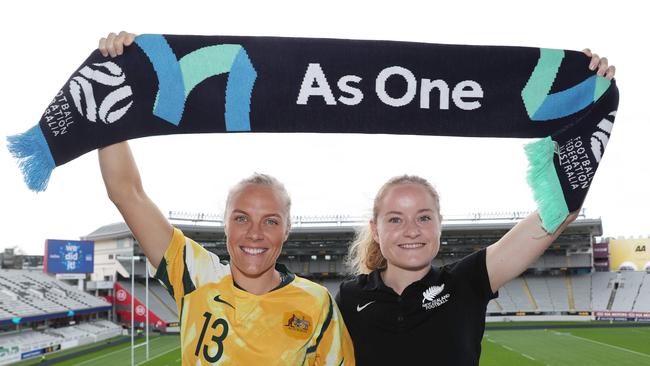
(430, 299)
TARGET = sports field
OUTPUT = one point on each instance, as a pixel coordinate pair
(521, 347)
(163, 350)
(567, 346)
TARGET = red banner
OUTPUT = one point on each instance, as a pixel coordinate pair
(123, 308)
(108, 298)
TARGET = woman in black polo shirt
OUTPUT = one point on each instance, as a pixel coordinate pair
(401, 310)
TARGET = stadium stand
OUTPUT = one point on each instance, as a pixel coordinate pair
(598, 291)
(581, 289)
(73, 333)
(27, 293)
(602, 285)
(163, 295)
(582, 260)
(540, 292)
(517, 293)
(160, 301)
(56, 339)
(560, 292)
(627, 290)
(29, 340)
(642, 302)
(100, 330)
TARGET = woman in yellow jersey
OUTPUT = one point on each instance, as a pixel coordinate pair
(250, 312)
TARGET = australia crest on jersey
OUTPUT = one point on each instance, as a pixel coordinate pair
(297, 324)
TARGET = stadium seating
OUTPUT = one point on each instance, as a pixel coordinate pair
(581, 288)
(60, 338)
(163, 295)
(100, 330)
(602, 284)
(627, 291)
(72, 333)
(29, 340)
(516, 292)
(540, 291)
(27, 293)
(61, 290)
(642, 302)
(559, 292)
(628, 288)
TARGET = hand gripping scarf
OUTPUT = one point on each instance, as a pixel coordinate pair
(169, 84)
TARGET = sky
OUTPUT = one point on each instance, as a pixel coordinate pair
(44, 42)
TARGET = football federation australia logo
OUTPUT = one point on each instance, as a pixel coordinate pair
(106, 79)
(600, 138)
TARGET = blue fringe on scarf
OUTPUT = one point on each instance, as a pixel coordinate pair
(34, 157)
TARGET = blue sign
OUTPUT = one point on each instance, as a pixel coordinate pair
(69, 256)
(33, 353)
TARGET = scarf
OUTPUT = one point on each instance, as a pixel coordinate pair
(169, 84)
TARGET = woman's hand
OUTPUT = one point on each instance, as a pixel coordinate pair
(601, 64)
(114, 44)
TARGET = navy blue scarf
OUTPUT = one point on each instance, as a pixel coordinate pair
(202, 84)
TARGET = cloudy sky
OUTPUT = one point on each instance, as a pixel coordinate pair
(43, 43)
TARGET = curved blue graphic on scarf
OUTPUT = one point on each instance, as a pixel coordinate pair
(542, 106)
(177, 78)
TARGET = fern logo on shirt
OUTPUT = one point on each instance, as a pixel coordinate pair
(430, 299)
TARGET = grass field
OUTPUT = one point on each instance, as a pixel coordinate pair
(569, 346)
(163, 350)
(554, 347)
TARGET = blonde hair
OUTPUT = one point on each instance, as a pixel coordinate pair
(365, 255)
(264, 180)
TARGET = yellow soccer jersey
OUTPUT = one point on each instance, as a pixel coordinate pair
(297, 323)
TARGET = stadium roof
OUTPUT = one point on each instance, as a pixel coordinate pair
(120, 230)
(117, 230)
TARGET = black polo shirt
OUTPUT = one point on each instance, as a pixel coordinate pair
(438, 320)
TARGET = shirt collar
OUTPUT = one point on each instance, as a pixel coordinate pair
(375, 282)
(286, 276)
